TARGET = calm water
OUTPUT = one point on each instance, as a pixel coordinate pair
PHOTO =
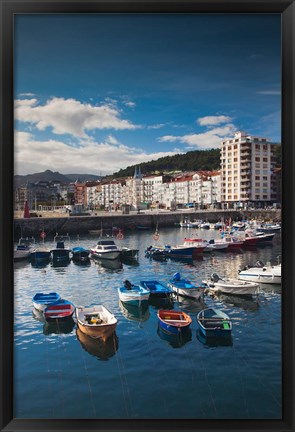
(138, 374)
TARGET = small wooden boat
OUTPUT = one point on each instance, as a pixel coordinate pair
(214, 323)
(173, 321)
(156, 288)
(41, 301)
(133, 294)
(96, 321)
(60, 310)
(80, 254)
(231, 286)
(186, 288)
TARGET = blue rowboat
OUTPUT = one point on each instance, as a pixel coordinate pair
(214, 323)
(173, 321)
(41, 300)
(186, 288)
(133, 294)
(156, 288)
(60, 310)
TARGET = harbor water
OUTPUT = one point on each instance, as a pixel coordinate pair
(141, 373)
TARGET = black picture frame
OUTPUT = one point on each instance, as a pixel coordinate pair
(8, 10)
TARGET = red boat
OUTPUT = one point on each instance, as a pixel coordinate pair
(60, 310)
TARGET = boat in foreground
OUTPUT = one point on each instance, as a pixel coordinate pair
(156, 288)
(214, 323)
(262, 274)
(60, 311)
(96, 321)
(231, 286)
(41, 301)
(133, 294)
(173, 321)
(186, 288)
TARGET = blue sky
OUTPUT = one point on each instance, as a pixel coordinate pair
(96, 93)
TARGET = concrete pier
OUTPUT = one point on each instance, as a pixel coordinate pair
(83, 224)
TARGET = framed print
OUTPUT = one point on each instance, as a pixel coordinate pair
(147, 235)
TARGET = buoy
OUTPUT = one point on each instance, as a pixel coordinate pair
(120, 236)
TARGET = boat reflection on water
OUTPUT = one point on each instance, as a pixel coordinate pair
(108, 264)
(130, 261)
(244, 302)
(57, 264)
(213, 342)
(64, 327)
(98, 348)
(135, 313)
(175, 341)
(54, 327)
(190, 305)
(161, 303)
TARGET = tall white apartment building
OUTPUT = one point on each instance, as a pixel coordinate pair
(247, 164)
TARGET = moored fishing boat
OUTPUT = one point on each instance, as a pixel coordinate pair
(60, 253)
(186, 288)
(260, 273)
(173, 321)
(129, 253)
(214, 323)
(106, 249)
(23, 248)
(59, 311)
(133, 294)
(80, 254)
(231, 286)
(96, 321)
(41, 300)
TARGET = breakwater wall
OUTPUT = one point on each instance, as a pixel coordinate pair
(74, 225)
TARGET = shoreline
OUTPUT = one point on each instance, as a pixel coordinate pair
(62, 225)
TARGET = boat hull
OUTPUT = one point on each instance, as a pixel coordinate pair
(136, 296)
(234, 288)
(42, 301)
(59, 311)
(105, 255)
(103, 332)
(214, 323)
(196, 293)
(260, 277)
(173, 322)
(96, 322)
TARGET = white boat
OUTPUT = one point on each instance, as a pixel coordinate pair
(186, 288)
(204, 225)
(96, 321)
(133, 294)
(260, 273)
(24, 248)
(105, 249)
(231, 286)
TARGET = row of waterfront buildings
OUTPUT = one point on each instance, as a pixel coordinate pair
(248, 177)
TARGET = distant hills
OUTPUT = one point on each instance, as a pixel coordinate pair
(50, 176)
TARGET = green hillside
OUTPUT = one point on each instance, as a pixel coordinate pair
(191, 161)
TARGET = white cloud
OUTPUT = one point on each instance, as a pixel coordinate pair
(213, 120)
(206, 140)
(156, 126)
(69, 116)
(130, 104)
(33, 155)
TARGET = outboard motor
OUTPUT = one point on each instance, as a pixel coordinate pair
(127, 284)
(259, 264)
(176, 276)
(214, 277)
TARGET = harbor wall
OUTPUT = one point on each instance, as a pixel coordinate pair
(74, 225)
